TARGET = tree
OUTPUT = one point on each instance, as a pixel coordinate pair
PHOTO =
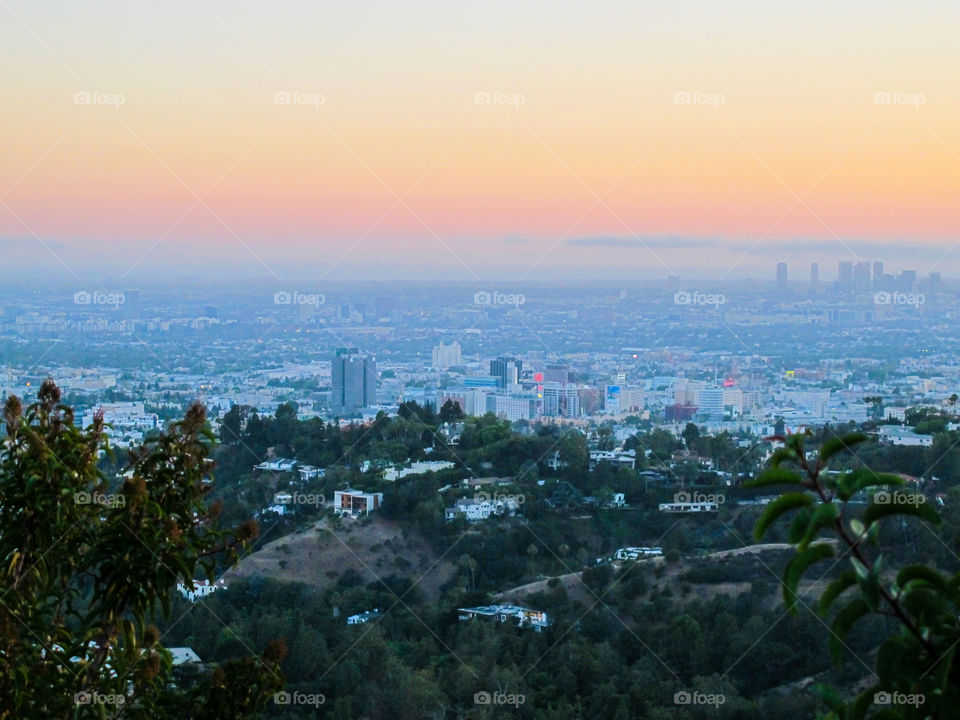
(915, 661)
(690, 434)
(87, 563)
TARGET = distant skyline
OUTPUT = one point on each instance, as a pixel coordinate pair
(425, 140)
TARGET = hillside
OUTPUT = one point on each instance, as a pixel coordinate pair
(373, 547)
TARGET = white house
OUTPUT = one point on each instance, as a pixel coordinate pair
(309, 472)
(617, 458)
(689, 507)
(899, 435)
(524, 617)
(474, 510)
(635, 553)
(182, 655)
(278, 465)
(361, 618)
(201, 588)
(392, 474)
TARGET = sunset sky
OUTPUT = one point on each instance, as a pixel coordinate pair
(814, 131)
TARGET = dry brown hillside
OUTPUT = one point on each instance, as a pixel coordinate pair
(372, 546)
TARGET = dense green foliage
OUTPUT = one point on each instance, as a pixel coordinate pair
(87, 565)
(916, 675)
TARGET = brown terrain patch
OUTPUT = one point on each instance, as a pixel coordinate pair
(373, 547)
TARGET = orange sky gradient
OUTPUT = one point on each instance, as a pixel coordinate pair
(799, 146)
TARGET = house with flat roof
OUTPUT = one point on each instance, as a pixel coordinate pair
(354, 503)
(524, 617)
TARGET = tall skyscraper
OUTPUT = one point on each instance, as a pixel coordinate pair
(131, 304)
(861, 277)
(781, 275)
(845, 274)
(507, 370)
(877, 274)
(353, 381)
(814, 274)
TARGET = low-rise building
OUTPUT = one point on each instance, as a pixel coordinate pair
(524, 617)
(200, 589)
(361, 618)
(355, 503)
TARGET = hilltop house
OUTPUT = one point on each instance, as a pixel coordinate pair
(354, 503)
(524, 617)
(201, 588)
(474, 510)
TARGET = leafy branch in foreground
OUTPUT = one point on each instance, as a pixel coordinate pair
(85, 566)
(916, 676)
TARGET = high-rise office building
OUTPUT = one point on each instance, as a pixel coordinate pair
(353, 381)
(861, 277)
(814, 274)
(131, 304)
(877, 274)
(845, 274)
(781, 275)
(445, 356)
(907, 280)
(507, 371)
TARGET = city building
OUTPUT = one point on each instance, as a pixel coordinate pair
(353, 381)
(446, 356)
(507, 370)
(781, 275)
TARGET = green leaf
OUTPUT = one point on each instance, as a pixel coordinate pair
(796, 567)
(784, 503)
(798, 528)
(921, 574)
(834, 445)
(775, 476)
(782, 454)
(845, 620)
(889, 657)
(823, 515)
(850, 483)
(830, 696)
(869, 581)
(886, 504)
(844, 580)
